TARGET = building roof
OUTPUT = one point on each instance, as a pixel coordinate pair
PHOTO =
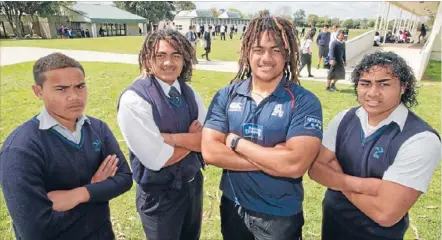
(204, 13)
(189, 14)
(99, 13)
(208, 14)
(228, 14)
(422, 8)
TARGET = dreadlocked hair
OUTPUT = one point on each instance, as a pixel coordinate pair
(284, 34)
(148, 50)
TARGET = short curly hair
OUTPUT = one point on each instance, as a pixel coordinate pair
(399, 68)
(53, 61)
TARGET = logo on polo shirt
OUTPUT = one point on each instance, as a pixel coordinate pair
(378, 152)
(235, 107)
(312, 122)
(96, 145)
(252, 130)
(277, 111)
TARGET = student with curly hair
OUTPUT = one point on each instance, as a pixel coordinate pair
(160, 117)
(264, 130)
(377, 158)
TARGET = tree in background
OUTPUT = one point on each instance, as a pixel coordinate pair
(347, 23)
(14, 12)
(321, 21)
(284, 12)
(371, 23)
(334, 21)
(299, 17)
(236, 10)
(153, 11)
(184, 6)
(356, 23)
(215, 12)
(312, 19)
(364, 23)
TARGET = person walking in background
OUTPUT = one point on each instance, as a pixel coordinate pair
(338, 61)
(346, 31)
(423, 33)
(223, 32)
(334, 34)
(192, 37)
(306, 53)
(313, 29)
(207, 43)
(243, 31)
(232, 29)
(323, 42)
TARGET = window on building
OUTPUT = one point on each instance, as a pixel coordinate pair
(121, 29)
(76, 28)
(114, 29)
(179, 27)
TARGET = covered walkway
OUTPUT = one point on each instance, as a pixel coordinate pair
(409, 16)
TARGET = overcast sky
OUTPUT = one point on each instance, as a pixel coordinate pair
(331, 9)
(342, 10)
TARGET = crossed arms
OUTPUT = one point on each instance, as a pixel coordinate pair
(35, 210)
(291, 159)
(383, 201)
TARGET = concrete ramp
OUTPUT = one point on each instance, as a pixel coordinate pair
(410, 52)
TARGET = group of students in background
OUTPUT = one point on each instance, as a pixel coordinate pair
(401, 36)
(331, 52)
(65, 32)
(60, 169)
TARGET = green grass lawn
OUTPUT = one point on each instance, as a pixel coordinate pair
(221, 50)
(433, 71)
(107, 80)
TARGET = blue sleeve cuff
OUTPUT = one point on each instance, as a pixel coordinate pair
(311, 133)
(218, 128)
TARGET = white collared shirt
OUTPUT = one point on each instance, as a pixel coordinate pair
(416, 159)
(139, 130)
(48, 122)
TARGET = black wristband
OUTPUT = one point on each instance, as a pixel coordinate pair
(234, 142)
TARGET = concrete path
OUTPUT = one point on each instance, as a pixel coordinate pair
(13, 55)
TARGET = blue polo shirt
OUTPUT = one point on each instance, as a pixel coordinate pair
(290, 111)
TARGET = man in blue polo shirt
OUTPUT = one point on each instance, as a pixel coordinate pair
(264, 130)
(378, 158)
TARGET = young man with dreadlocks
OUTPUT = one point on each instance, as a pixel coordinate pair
(160, 118)
(377, 158)
(264, 130)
